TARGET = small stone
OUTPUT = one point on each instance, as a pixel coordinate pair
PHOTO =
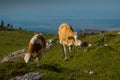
(91, 72)
(89, 44)
(105, 44)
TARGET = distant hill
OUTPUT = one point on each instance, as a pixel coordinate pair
(6, 28)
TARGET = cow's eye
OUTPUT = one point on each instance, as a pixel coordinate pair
(70, 37)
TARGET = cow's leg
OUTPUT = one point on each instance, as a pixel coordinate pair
(67, 48)
(65, 51)
(63, 55)
(70, 48)
(40, 55)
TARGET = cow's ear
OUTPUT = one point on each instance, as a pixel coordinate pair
(70, 37)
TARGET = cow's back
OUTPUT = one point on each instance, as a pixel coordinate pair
(36, 44)
(65, 30)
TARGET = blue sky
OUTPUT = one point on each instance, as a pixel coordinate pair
(84, 9)
(39, 14)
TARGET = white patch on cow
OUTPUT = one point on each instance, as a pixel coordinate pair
(35, 40)
(60, 42)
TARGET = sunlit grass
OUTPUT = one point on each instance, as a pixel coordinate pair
(103, 60)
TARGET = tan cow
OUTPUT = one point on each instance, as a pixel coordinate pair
(36, 44)
(67, 38)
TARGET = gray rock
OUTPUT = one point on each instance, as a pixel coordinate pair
(118, 33)
(28, 76)
(5, 59)
(20, 53)
(91, 72)
(13, 56)
(48, 45)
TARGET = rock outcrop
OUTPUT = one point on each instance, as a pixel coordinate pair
(28, 76)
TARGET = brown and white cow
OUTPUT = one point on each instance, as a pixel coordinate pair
(67, 38)
(36, 44)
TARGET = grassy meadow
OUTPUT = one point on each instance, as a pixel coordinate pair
(103, 61)
(13, 40)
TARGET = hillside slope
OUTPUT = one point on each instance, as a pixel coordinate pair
(98, 62)
(13, 40)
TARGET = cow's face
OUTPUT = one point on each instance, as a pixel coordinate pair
(70, 40)
(74, 40)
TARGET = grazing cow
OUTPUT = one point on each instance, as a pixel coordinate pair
(67, 38)
(36, 44)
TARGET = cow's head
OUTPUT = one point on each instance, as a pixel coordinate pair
(70, 40)
(74, 40)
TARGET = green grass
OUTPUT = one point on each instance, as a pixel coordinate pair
(13, 40)
(103, 60)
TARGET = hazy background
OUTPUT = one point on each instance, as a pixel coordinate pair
(47, 15)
